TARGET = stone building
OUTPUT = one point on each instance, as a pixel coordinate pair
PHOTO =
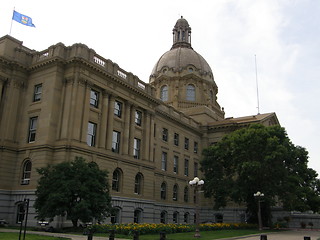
(68, 101)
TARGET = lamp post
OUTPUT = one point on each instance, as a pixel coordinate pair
(196, 182)
(258, 195)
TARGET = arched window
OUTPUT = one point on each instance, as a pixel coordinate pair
(138, 183)
(219, 218)
(115, 215)
(186, 194)
(20, 212)
(186, 217)
(175, 217)
(116, 180)
(163, 217)
(191, 93)
(137, 215)
(164, 93)
(26, 172)
(175, 193)
(163, 193)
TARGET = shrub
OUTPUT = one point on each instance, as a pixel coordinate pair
(152, 228)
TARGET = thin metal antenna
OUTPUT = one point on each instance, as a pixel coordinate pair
(258, 107)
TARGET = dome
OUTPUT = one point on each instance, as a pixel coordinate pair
(179, 59)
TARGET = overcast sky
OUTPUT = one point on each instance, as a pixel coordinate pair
(283, 34)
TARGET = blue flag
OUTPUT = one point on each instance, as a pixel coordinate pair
(23, 19)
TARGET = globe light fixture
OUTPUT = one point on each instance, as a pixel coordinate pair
(259, 195)
(197, 183)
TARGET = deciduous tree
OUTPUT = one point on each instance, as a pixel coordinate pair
(260, 158)
(78, 189)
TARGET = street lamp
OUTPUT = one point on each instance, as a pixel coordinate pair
(196, 182)
(258, 195)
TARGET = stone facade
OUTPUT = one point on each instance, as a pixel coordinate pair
(69, 101)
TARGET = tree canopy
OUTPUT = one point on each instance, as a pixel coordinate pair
(78, 189)
(260, 158)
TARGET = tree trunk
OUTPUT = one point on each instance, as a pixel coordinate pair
(74, 222)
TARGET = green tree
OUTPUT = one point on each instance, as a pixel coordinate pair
(78, 189)
(260, 158)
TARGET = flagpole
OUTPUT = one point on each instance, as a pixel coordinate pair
(12, 20)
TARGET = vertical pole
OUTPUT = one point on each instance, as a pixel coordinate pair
(11, 21)
(197, 233)
(255, 60)
(259, 214)
(26, 202)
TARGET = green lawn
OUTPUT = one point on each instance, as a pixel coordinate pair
(205, 235)
(15, 236)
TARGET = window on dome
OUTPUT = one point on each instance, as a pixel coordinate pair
(191, 93)
(164, 93)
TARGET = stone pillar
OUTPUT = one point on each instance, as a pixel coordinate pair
(151, 137)
(1, 87)
(66, 118)
(104, 118)
(82, 115)
(110, 121)
(126, 135)
(146, 135)
(10, 117)
(132, 129)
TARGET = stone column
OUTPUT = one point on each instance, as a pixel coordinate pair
(146, 135)
(151, 137)
(1, 87)
(110, 121)
(126, 140)
(10, 117)
(66, 118)
(103, 122)
(82, 115)
(132, 129)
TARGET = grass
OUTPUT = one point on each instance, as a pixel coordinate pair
(205, 235)
(15, 236)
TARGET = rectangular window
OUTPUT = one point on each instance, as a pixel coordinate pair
(186, 167)
(32, 129)
(176, 139)
(91, 137)
(117, 108)
(37, 92)
(175, 164)
(116, 142)
(164, 161)
(138, 118)
(165, 134)
(195, 170)
(186, 143)
(94, 98)
(195, 147)
(136, 148)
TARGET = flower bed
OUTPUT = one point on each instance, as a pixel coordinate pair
(152, 228)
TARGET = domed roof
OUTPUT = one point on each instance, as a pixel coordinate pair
(182, 58)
